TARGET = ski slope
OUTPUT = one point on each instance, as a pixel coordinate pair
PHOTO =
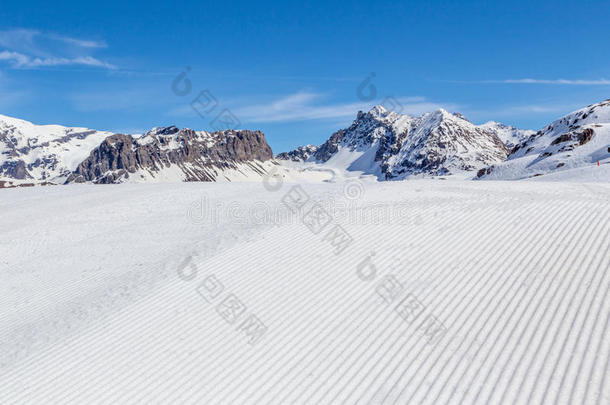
(115, 294)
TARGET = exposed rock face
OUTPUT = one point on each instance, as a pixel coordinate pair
(300, 154)
(574, 138)
(15, 169)
(11, 184)
(330, 147)
(183, 155)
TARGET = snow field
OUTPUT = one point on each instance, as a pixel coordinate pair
(517, 273)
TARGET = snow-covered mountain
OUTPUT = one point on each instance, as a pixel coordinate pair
(441, 143)
(510, 135)
(300, 154)
(576, 140)
(43, 153)
(382, 143)
(395, 146)
(172, 154)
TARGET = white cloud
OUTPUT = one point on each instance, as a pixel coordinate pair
(17, 58)
(20, 37)
(20, 60)
(26, 48)
(83, 43)
(599, 82)
(17, 38)
(305, 106)
(516, 113)
(535, 108)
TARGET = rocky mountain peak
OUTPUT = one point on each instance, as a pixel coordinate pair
(461, 116)
(378, 111)
(300, 154)
(395, 146)
(163, 130)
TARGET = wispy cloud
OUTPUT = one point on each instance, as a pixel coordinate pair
(545, 111)
(25, 48)
(83, 43)
(577, 82)
(306, 106)
(536, 108)
(20, 60)
(517, 111)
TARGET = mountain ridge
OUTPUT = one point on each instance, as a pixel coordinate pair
(378, 142)
(578, 139)
(394, 146)
(53, 154)
(189, 155)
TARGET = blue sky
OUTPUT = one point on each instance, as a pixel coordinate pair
(293, 69)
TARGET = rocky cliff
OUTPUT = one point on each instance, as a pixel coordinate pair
(170, 153)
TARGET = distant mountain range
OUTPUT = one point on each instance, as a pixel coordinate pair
(388, 145)
(393, 146)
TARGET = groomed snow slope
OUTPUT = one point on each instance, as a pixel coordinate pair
(92, 308)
